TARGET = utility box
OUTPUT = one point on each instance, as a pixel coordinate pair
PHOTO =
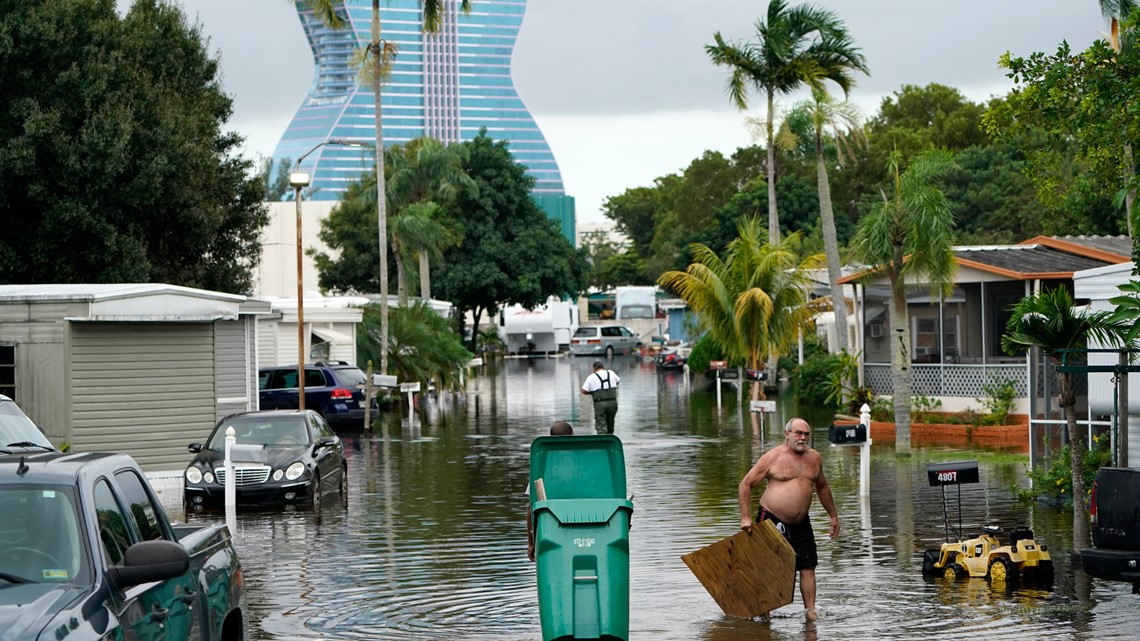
(581, 518)
(847, 434)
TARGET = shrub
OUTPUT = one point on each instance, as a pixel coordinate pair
(704, 350)
(1053, 481)
(999, 402)
(812, 380)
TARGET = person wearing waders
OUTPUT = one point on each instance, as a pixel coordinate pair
(601, 386)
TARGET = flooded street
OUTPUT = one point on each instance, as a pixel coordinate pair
(430, 542)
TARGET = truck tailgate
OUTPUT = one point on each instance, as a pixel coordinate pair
(1118, 509)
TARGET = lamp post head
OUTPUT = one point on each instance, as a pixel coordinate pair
(298, 179)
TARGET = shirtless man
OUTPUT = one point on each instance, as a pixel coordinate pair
(793, 471)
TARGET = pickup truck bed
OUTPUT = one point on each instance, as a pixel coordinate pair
(87, 552)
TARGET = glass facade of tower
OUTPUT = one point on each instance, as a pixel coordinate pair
(447, 85)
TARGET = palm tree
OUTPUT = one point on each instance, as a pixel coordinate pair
(1047, 320)
(423, 170)
(377, 56)
(796, 46)
(754, 301)
(422, 234)
(909, 236)
(839, 121)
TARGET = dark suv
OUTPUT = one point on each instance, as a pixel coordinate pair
(335, 389)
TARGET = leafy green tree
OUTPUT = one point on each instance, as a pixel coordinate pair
(512, 253)
(375, 63)
(625, 268)
(113, 163)
(799, 200)
(909, 236)
(753, 302)
(633, 213)
(796, 46)
(1065, 115)
(1049, 321)
(837, 122)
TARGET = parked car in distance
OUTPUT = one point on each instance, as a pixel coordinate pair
(89, 554)
(334, 389)
(603, 339)
(17, 432)
(280, 457)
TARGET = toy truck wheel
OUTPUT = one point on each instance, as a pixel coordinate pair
(954, 572)
(1002, 571)
(929, 558)
(1045, 574)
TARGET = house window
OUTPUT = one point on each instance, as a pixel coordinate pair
(8, 371)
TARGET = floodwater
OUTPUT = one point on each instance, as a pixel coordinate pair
(431, 540)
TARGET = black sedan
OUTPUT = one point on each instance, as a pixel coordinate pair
(280, 457)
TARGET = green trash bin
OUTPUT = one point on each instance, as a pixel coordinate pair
(581, 536)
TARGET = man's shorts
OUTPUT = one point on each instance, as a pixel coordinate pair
(799, 535)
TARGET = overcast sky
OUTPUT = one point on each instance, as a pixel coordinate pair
(623, 89)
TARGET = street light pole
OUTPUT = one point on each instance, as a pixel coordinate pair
(299, 180)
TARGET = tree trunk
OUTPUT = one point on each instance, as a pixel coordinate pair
(1130, 196)
(901, 382)
(831, 245)
(425, 276)
(381, 193)
(401, 277)
(773, 217)
(1077, 447)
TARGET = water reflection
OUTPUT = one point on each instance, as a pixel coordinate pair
(432, 543)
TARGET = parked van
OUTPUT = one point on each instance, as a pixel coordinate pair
(604, 339)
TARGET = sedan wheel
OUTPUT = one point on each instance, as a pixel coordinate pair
(316, 493)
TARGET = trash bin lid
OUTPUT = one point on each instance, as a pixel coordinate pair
(578, 467)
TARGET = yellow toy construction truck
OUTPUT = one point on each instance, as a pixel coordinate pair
(985, 556)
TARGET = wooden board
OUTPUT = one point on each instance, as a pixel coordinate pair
(747, 574)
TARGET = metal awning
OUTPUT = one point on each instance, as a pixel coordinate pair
(331, 336)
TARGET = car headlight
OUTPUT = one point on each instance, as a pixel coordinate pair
(209, 476)
(277, 474)
(193, 475)
(294, 471)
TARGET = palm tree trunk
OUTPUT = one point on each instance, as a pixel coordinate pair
(401, 277)
(425, 276)
(381, 204)
(1077, 447)
(900, 359)
(831, 245)
(773, 217)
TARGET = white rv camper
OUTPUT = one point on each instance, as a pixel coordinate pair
(635, 302)
(545, 329)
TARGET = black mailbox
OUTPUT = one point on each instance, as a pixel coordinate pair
(955, 473)
(847, 434)
(755, 375)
